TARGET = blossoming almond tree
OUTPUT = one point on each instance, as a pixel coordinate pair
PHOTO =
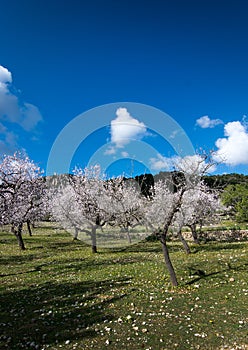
(90, 192)
(168, 198)
(65, 209)
(87, 202)
(39, 209)
(20, 192)
(126, 204)
(199, 205)
(159, 214)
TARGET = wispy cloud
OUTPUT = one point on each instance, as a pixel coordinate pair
(110, 151)
(174, 134)
(233, 148)
(125, 154)
(8, 140)
(205, 122)
(14, 112)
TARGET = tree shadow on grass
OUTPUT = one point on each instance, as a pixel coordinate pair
(52, 314)
(82, 264)
(201, 274)
(75, 264)
(140, 247)
(71, 244)
(17, 259)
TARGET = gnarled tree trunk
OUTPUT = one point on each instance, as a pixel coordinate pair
(194, 233)
(29, 228)
(93, 240)
(183, 240)
(18, 233)
(163, 236)
(75, 236)
(128, 235)
(168, 262)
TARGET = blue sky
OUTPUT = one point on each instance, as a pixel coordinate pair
(60, 59)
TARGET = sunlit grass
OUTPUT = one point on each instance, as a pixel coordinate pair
(56, 294)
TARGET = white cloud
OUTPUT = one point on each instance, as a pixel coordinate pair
(109, 151)
(160, 163)
(124, 154)
(5, 77)
(205, 122)
(174, 134)
(125, 128)
(8, 140)
(14, 111)
(30, 116)
(233, 149)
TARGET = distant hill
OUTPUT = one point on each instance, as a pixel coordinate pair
(221, 181)
(146, 181)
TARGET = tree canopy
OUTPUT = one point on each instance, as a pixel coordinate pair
(235, 197)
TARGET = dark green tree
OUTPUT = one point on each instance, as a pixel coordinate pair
(236, 198)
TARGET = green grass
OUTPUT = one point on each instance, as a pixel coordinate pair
(57, 295)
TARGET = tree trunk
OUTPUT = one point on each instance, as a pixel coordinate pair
(128, 236)
(163, 235)
(75, 236)
(93, 240)
(168, 262)
(194, 234)
(18, 233)
(184, 242)
(29, 228)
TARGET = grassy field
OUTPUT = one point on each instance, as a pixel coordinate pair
(57, 295)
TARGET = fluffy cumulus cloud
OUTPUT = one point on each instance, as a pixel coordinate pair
(14, 111)
(125, 128)
(5, 77)
(233, 148)
(205, 122)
